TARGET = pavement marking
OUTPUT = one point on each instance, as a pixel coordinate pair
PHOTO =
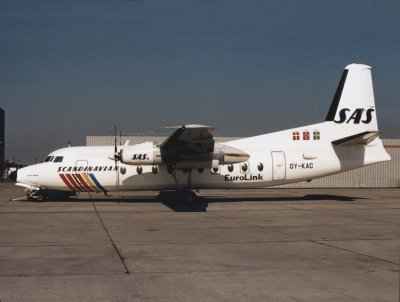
(121, 257)
(347, 250)
(111, 240)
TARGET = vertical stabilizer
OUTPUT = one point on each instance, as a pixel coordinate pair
(353, 106)
(352, 117)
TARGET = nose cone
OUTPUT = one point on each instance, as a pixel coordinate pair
(19, 175)
(26, 175)
(34, 175)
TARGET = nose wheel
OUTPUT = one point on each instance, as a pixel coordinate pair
(46, 194)
(39, 195)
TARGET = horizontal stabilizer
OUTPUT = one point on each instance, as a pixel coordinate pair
(363, 138)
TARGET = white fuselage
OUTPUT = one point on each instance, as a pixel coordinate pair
(275, 158)
(348, 139)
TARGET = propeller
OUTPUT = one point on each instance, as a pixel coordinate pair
(117, 156)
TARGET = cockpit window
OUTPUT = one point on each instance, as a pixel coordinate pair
(49, 158)
(58, 159)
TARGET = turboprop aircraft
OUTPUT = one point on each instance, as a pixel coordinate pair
(190, 159)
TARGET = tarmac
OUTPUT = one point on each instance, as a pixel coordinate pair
(247, 245)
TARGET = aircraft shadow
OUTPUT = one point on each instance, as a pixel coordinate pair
(308, 197)
(203, 201)
(171, 200)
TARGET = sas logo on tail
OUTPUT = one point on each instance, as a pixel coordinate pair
(357, 116)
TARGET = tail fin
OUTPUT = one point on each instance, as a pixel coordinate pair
(353, 106)
(354, 126)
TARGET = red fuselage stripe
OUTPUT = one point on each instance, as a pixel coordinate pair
(66, 181)
(73, 183)
(77, 181)
(83, 183)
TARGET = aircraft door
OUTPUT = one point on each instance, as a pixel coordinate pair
(278, 165)
(80, 166)
(81, 163)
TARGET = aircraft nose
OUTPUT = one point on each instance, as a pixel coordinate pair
(20, 175)
(31, 175)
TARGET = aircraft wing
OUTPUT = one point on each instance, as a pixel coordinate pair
(188, 143)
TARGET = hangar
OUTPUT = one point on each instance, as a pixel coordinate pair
(2, 140)
(382, 175)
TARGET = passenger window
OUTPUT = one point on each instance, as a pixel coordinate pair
(215, 170)
(58, 159)
(245, 167)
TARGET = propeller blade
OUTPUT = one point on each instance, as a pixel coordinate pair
(117, 176)
(115, 139)
(116, 156)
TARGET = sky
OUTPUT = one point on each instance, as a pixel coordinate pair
(75, 68)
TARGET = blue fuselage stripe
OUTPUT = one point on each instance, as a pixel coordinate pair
(93, 178)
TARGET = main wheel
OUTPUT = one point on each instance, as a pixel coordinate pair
(189, 197)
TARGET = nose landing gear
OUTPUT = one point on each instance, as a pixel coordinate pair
(39, 195)
(45, 194)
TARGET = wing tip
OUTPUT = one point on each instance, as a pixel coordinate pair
(188, 126)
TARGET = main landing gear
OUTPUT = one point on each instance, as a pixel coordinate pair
(188, 196)
(185, 194)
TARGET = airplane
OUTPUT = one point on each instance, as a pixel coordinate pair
(190, 159)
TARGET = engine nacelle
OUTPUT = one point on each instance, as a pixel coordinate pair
(149, 154)
(141, 154)
(222, 155)
(229, 155)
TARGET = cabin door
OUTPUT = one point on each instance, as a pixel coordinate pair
(278, 165)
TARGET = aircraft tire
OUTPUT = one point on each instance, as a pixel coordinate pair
(189, 197)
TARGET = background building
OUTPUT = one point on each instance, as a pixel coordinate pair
(382, 175)
(2, 141)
